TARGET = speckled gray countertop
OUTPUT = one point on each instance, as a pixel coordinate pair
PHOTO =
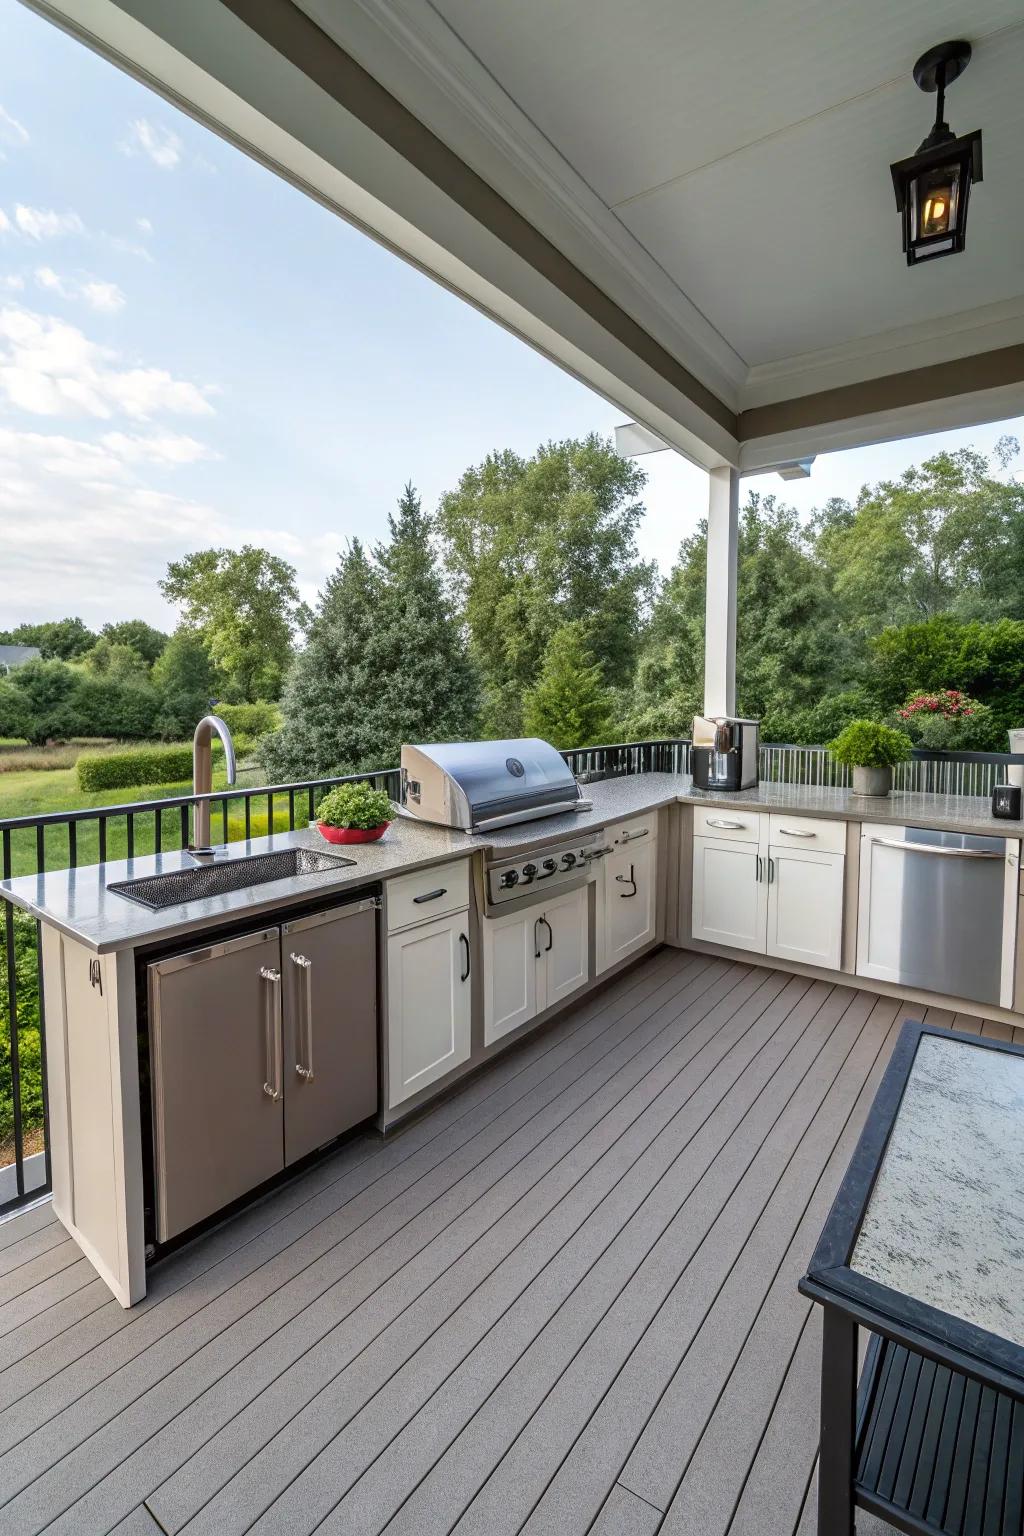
(945, 1221)
(78, 902)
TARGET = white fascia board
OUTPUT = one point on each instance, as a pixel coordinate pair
(207, 62)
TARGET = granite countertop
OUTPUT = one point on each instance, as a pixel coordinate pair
(78, 903)
(944, 1223)
(77, 900)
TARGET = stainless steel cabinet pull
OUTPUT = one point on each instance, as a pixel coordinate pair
(631, 837)
(306, 985)
(946, 853)
(627, 880)
(272, 1035)
(795, 832)
(464, 940)
(730, 826)
(431, 895)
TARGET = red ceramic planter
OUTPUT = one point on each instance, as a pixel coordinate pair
(353, 834)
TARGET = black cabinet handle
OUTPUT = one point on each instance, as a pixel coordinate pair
(431, 895)
(551, 935)
(536, 942)
(463, 940)
(627, 880)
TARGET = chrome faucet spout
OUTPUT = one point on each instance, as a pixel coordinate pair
(202, 777)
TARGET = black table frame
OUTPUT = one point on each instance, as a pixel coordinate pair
(850, 1300)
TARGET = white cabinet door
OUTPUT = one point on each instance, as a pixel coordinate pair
(805, 906)
(629, 901)
(565, 948)
(730, 897)
(513, 945)
(428, 1004)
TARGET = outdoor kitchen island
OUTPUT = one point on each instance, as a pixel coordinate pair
(466, 965)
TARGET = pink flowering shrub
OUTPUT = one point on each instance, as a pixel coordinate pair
(947, 721)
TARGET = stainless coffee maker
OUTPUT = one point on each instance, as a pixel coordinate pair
(724, 754)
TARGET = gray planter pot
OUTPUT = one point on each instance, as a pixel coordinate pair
(872, 781)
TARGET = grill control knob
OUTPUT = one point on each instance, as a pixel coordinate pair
(509, 879)
(529, 870)
(568, 860)
(549, 866)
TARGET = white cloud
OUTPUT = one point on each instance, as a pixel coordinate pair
(105, 297)
(162, 145)
(145, 225)
(13, 282)
(12, 133)
(5, 222)
(45, 224)
(168, 448)
(50, 368)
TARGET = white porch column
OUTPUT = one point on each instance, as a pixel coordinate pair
(720, 602)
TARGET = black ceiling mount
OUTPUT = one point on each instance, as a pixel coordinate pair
(949, 58)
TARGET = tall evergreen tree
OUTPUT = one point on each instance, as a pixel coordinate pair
(385, 662)
(570, 706)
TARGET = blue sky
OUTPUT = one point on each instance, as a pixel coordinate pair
(191, 352)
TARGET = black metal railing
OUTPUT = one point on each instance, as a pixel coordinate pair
(69, 839)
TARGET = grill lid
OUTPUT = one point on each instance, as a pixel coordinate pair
(488, 780)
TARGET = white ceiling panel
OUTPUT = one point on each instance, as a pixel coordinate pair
(635, 94)
(794, 245)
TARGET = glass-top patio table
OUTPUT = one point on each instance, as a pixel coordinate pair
(924, 1247)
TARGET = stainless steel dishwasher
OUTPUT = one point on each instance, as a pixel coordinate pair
(262, 1049)
(932, 909)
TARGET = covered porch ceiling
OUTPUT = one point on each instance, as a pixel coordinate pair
(689, 207)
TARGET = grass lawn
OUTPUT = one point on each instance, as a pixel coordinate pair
(38, 792)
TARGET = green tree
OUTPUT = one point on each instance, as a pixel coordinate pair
(984, 660)
(59, 639)
(116, 661)
(186, 682)
(535, 544)
(569, 706)
(148, 642)
(947, 536)
(325, 728)
(245, 605)
(15, 718)
(395, 657)
(787, 651)
(50, 693)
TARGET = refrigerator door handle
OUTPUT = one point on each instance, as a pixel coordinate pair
(272, 1032)
(306, 1015)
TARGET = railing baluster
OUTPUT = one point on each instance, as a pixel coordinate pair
(158, 831)
(224, 819)
(130, 825)
(291, 810)
(183, 826)
(248, 817)
(12, 1027)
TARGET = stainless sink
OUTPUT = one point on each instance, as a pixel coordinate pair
(159, 891)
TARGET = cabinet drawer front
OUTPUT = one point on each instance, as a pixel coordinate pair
(638, 829)
(812, 832)
(427, 894)
(736, 826)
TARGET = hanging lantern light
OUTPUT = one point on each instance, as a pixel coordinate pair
(933, 186)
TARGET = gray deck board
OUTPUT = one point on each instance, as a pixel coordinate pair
(564, 1300)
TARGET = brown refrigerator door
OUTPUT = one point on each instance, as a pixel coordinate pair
(329, 963)
(217, 1076)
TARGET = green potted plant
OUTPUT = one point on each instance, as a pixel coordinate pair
(871, 750)
(354, 813)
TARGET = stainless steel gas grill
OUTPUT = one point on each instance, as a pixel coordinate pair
(477, 785)
(533, 875)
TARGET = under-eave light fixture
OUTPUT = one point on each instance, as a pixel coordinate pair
(933, 187)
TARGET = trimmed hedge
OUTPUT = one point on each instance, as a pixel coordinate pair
(140, 765)
(250, 720)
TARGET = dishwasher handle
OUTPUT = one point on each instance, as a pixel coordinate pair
(945, 853)
(272, 1085)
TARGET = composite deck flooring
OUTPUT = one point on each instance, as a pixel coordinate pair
(562, 1301)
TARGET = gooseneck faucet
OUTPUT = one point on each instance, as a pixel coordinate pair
(202, 778)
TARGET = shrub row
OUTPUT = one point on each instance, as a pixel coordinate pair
(250, 721)
(139, 765)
